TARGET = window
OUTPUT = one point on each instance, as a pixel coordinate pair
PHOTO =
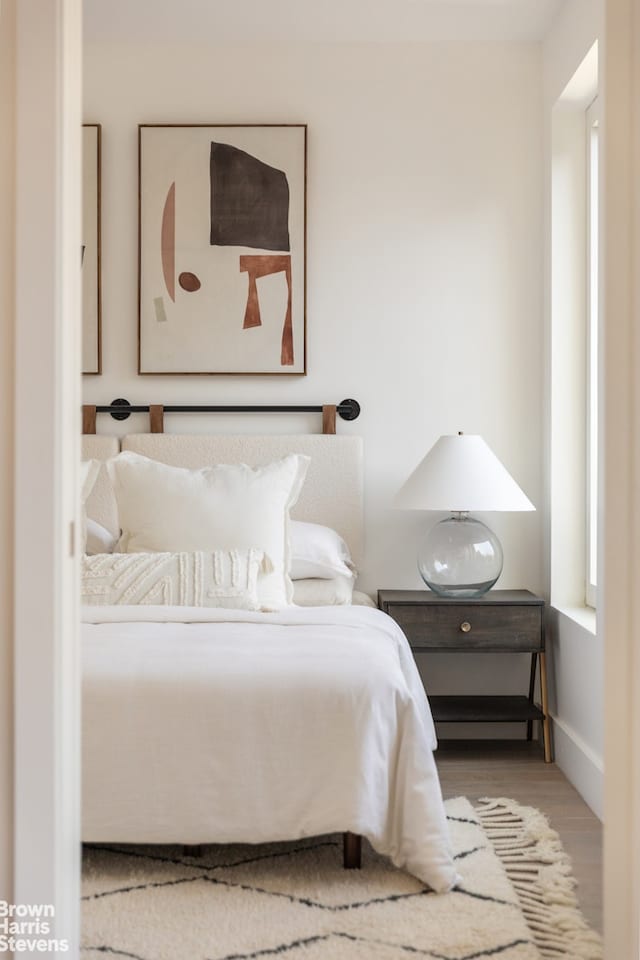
(573, 341)
(591, 404)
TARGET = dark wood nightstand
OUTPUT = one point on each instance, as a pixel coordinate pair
(501, 621)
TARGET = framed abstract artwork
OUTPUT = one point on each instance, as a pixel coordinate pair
(222, 249)
(91, 285)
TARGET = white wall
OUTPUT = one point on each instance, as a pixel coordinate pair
(424, 258)
(424, 229)
(577, 698)
(577, 695)
(7, 293)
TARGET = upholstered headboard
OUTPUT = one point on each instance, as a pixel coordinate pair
(331, 494)
(332, 491)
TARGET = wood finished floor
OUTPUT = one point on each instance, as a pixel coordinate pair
(516, 769)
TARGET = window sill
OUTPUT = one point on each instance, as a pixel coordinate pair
(584, 617)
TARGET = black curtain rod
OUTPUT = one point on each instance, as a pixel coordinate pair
(121, 409)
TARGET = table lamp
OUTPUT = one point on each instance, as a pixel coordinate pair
(460, 556)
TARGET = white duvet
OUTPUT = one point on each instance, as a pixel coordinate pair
(204, 725)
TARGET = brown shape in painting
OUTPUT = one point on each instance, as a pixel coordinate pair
(168, 241)
(189, 282)
(262, 266)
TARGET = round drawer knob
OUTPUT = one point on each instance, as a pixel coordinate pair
(465, 626)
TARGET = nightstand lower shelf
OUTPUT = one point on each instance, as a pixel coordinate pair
(484, 710)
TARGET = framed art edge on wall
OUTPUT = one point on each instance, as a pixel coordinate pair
(92, 226)
(264, 264)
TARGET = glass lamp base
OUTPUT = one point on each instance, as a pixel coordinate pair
(460, 557)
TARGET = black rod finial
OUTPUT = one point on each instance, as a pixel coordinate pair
(349, 409)
(124, 414)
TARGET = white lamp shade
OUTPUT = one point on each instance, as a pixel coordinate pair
(461, 473)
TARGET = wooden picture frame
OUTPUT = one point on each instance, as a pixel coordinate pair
(91, 248)
(222, 249)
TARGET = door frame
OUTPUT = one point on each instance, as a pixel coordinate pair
(48, 101)
(620, 526)
(46, 678)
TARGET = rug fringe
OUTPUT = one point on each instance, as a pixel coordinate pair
(540, 871)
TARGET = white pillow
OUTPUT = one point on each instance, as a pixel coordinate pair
(89, 470)
(99, 539)
(224, 578)
(318, 552)
(163, 508)
(88, 476)
(360, 599)
(323, 593)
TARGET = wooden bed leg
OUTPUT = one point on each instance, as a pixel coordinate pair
(352, 848)
(192, 850)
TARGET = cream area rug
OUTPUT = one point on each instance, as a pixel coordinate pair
(295, 902)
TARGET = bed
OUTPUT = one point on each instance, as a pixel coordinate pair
(206, 725)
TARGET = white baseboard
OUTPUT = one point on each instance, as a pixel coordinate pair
(580, 765)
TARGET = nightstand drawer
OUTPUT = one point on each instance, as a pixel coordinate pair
(473, 626)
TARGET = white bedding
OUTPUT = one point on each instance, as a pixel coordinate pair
(204, 725)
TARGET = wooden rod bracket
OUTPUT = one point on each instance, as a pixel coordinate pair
(89, 412)
(156, 417)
